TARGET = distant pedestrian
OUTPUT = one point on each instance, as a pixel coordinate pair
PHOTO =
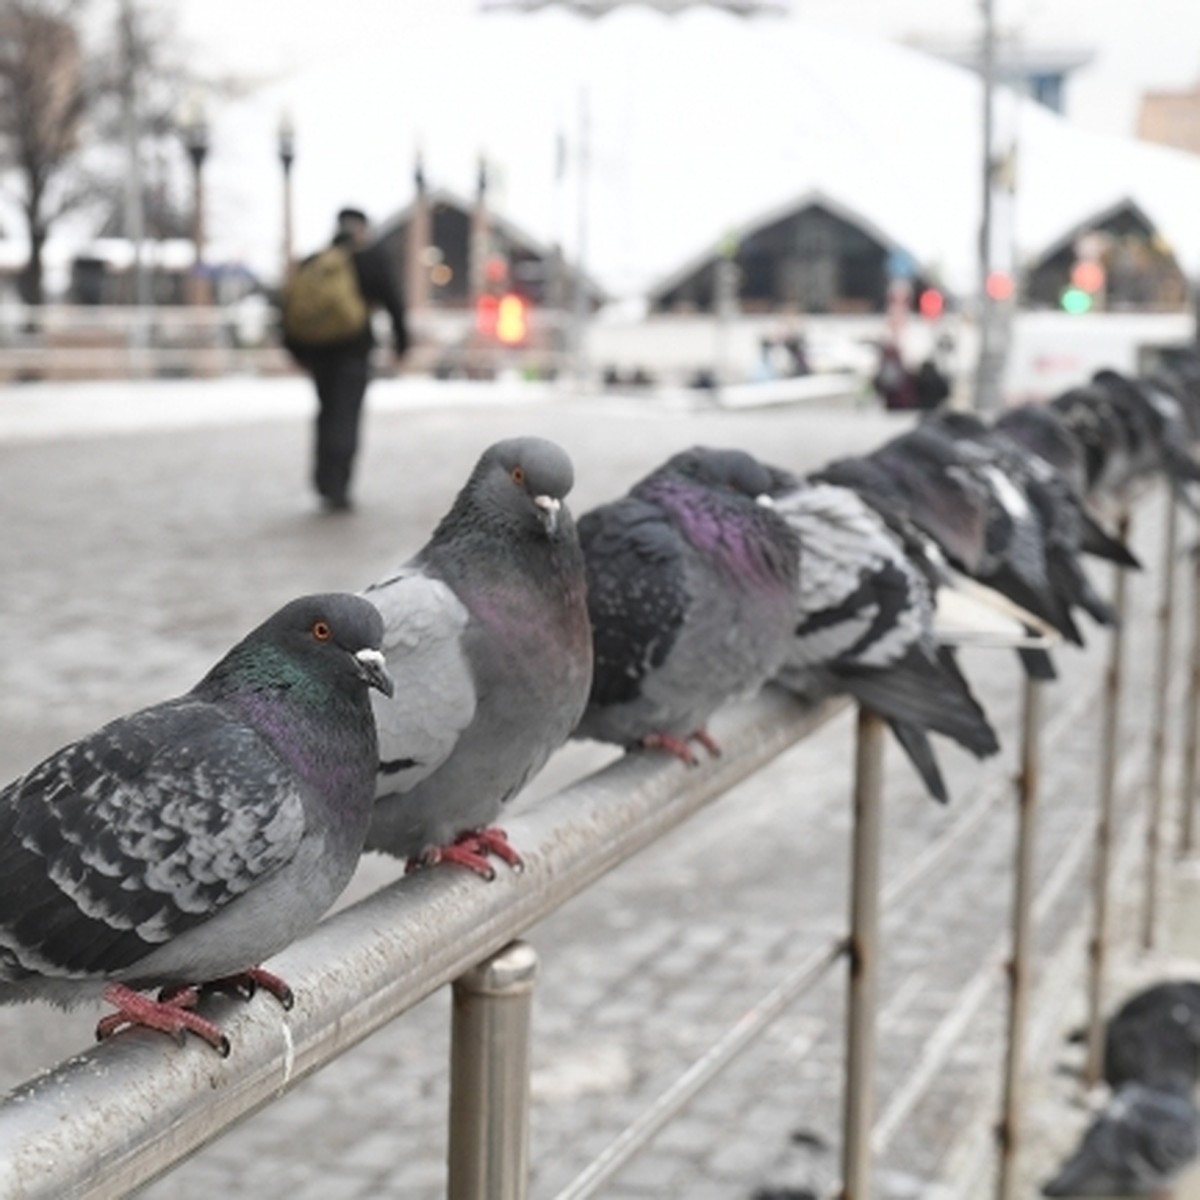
(892, 380)
(930, 385)
(327, 329)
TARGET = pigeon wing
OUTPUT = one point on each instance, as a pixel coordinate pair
(134, 835)
(425, 626)
(637, 594)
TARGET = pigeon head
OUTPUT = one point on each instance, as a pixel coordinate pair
(733, 470)
(519, 483)
(333, 637)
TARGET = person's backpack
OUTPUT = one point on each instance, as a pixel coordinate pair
(322, 304)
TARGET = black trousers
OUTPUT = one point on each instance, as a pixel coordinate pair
(341, 381)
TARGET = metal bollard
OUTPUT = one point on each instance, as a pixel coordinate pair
(1028, 782)
(1158, 744)
(1110, 732)
(1187, 783)
(489, 1077)
(859, 1103)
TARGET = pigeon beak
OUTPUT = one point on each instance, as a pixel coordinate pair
(765, 499)
(549, 507)
(372, 668)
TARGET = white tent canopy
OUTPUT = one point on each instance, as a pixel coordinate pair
(693, 126)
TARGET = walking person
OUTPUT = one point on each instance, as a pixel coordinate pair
(327, 329)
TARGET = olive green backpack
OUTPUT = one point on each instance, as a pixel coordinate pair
(322, 304)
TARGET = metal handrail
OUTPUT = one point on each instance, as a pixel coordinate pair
(124, 1112)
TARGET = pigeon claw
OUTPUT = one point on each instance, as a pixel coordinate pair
(471, 850)
(494, 840)
(672, 745)
(173, 1016)
(246, 983)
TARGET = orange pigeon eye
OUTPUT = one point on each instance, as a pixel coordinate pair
(518, 475)
(321, 631)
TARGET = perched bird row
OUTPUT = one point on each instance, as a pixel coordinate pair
(180, 846)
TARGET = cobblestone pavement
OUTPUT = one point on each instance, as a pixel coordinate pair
(131, 560)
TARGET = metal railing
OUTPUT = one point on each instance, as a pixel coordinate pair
(125, 1112)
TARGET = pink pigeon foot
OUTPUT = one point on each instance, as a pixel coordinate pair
(173, 1016)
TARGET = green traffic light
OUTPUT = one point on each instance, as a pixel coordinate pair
(1075, 301)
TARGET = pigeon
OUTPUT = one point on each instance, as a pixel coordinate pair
(1153, 1034)
(183, 844)
(1055, 505)
(864, 626)
(1037, 429)
(1141, 1140)
(926, 482)
(488, 626)
(691, 590)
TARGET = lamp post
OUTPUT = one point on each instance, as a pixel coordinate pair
(287, 156)
(194, 126)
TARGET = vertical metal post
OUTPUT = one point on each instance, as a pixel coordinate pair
(489, 1077)
(1187, 783)
(1110, 731)
(1022, 929)
(859, 1107)
(987, 397)
(1158, 744)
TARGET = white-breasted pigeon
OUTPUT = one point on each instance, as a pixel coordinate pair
(488, 626)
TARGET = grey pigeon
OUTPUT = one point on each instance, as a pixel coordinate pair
(691, 590)
(864, 625)
(1144, 1137)
(185, 843)
(488, 626)
(1154, 1033)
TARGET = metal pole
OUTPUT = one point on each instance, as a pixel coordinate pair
(1158, 743)
(1187, 784)
(579, 313)
(489, 1077)
(986, 384)
(864, 958)
(1022, 937)
(1110, 729)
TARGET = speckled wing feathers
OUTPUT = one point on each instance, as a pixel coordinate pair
(124, 840)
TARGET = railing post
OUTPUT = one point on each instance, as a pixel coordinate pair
(1158, 744)
(489, 1077)
(1028, 782)
(1110, 732)
(859, 1108)
(1187, 782)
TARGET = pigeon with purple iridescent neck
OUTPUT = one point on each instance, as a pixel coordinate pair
(691, 590)
(488, 627)
(180, 846)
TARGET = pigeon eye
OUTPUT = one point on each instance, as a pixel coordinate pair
(518, 475)
(321, 631)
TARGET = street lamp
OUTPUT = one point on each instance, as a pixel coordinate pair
(194, 127)
(287, 156)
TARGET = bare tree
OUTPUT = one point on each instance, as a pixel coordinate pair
(43, 98)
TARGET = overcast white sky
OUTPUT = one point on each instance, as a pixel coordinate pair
(329, 64)
(1139, 44)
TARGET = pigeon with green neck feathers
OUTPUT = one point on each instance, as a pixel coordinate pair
(180, 846)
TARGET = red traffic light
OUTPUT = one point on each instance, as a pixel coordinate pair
(1088, 276)
(932, 303)
(506, 317)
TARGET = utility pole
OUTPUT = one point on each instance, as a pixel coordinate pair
(134, 215)
(987, 377)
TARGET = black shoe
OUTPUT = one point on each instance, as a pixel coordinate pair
(337, 504)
